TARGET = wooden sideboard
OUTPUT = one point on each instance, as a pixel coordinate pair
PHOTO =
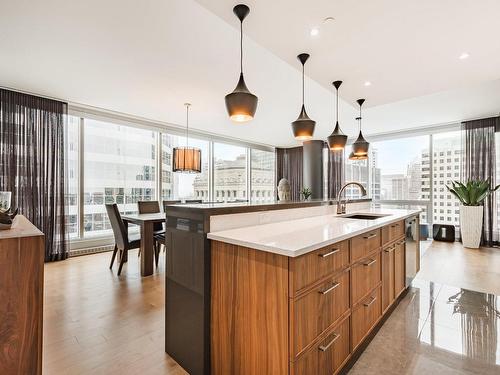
(21, 295)
(273, 314)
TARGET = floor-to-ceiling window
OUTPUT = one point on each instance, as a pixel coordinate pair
(262, 176)
(183, 186)
(108, 162)
(230, 172)
(119, 167)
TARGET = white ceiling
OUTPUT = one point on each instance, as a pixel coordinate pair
(148, 58)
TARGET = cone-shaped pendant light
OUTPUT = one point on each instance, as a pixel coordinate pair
(360, 146)
(241, 104)
(337, 140)
(303, 127)
(187, 159)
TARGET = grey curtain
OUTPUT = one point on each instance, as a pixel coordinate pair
(480, 163)
(32, 163)
(289, 165)
(336, 172)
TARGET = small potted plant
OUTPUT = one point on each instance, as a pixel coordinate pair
(471, 196)
(306, 193)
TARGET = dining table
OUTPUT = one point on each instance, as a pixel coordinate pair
(146, 224)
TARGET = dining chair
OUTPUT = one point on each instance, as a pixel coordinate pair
(160, 237)
(123, 242)
(153, 207)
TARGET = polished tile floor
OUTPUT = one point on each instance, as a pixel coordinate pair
(441, 328)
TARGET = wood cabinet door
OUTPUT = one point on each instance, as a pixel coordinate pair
(318, 310)
(399, 267)
(392, 232)
(365, 276)
(365, 244)
(327, 355)
(388, 276)
(365, 316)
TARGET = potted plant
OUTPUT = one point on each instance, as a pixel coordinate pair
(306, 193)
(471, 196)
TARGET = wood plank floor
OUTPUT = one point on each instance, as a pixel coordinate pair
(98, 323)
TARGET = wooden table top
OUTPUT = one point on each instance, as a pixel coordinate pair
(142, 218)
(21, 227)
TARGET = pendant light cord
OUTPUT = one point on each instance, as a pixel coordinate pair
(337, 105)
(303, 73)
(187, 124)
(241, 47)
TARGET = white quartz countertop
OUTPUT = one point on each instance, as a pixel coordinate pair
(300, 236)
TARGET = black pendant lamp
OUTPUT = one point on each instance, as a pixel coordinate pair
(187, 159)
(303, 127)
(241, 104)
(337, 140)
(360, 146)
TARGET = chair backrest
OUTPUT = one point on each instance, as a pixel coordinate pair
(166, 203)
(148, 207)
(117, 225)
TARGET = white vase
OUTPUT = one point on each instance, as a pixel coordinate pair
(471, 225)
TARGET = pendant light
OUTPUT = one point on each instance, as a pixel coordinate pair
(241, 104)
(303, 127)
(187, 159)
(337, 140)
(360, 146)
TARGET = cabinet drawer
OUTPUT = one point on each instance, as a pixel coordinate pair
(392, 232)
(364, 244)
(365, 276)
(311, 267)
(327, 356)
(364, 316)
(316, 311)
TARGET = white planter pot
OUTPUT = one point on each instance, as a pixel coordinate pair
(471, 225)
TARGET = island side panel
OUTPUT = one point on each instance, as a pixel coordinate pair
(249, 311)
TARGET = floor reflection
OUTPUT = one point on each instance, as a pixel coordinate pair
(437, 329)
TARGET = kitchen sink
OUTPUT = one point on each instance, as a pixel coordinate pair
(361, 216)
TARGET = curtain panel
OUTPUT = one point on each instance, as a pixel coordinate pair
(289, 165)
(336, 172)
(32, 163)
(480, 163)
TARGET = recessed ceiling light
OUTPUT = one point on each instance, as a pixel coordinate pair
(328, 19)
(464, 56)
(368, 83)
(314, 31)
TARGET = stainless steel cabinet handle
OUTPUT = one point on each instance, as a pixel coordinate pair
(370, 236)
(324, 348)
(334, 251)
(369, 303)
(329, 289)
(370, 262)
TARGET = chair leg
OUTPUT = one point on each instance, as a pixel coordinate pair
(122, 260)
(157, 253)
(113, 256)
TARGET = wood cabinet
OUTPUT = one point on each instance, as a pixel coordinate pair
(316, 265)
(22, 250)
(399, 268)
(305, 315)
(328, 354)
(365, 315)
(388, 294)
(318, 310)
(364, 244)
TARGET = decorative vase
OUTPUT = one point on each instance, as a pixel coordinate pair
(284, 190)
(471, 225)
(5, 199)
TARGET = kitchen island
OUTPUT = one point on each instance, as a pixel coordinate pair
(269, 291)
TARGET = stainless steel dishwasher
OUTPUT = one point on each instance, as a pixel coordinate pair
(412, 238)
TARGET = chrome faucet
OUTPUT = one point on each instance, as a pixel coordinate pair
(341, 206)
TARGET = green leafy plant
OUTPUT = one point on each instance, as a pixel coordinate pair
(306, 193)
(472, 193)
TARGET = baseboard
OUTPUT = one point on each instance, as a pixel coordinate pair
(90, 250)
